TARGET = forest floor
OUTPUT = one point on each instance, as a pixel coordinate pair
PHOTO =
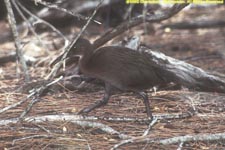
(204, 48)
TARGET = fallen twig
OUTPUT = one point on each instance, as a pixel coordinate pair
(76, 119)
(69, 117)
(153, 122)
(38, 92)
(173, 140)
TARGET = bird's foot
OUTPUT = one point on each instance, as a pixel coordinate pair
(84, 111)
(92, 107)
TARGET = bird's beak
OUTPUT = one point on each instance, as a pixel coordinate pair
(56, 60)
(71, 59)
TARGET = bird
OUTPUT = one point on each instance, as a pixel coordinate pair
(119, 68)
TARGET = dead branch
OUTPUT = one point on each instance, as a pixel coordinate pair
(17, 40)
(30, 26)
(181, 73)
(156, 117)
(153, 122)
(173, 140)
(69, 117)
(39, 20)
(90, 5)
(49, 5)
(39, 91)
(196, 24)
(75, 7)
(34, 93)
(75, 119)
(193, 138)
(137, 21)
(13, 106)
(74, 40)
(31, 137)
(173, 70)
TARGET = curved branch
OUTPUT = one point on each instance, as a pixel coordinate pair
(137, 21)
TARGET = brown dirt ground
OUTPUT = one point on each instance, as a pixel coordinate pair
(201, 47)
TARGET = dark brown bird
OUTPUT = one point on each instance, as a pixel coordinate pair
(119, 67)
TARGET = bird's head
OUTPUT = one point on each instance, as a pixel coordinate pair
(80, 48)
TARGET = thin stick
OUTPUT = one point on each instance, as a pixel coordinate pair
(30, 26)
(17, 40)
(137, 21)
(49, 5)
(173, 140)
(58, 65)
(75, 119)
(152, 123)
(43, 21)
(13, 105)
(35, 92)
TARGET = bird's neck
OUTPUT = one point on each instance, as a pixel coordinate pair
(86, 56)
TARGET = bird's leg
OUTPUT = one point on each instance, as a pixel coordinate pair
(147, 104)
(104, 101)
